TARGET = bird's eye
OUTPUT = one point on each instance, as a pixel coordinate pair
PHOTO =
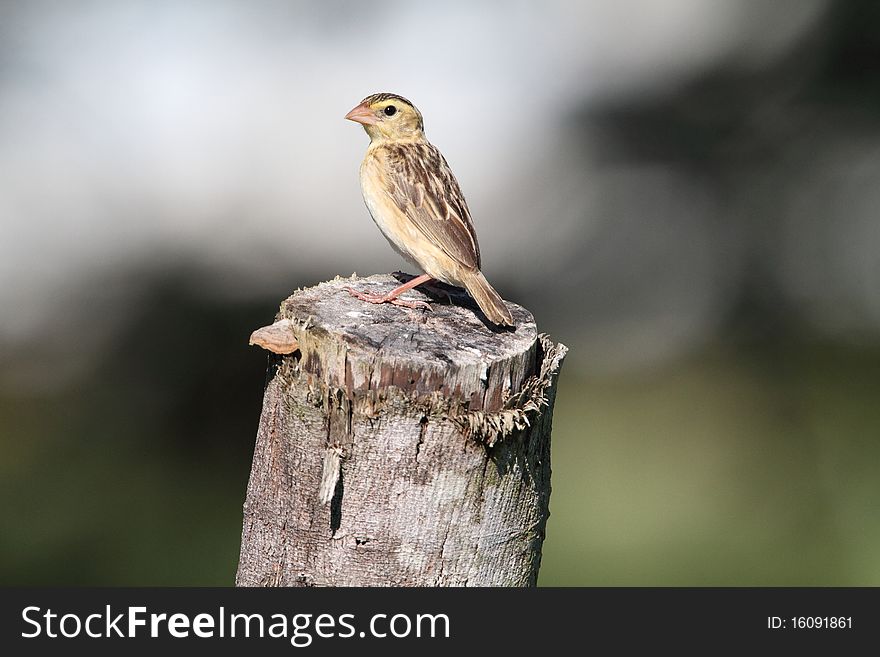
(391, 110)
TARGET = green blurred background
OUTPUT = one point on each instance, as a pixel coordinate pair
(684, 192)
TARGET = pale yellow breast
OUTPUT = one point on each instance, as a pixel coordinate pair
(401, 233)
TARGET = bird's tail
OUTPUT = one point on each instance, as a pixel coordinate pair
(487, 299)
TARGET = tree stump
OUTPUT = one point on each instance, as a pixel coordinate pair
(399, 447)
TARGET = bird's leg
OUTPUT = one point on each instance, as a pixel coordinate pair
(432, 286)
(392, 297)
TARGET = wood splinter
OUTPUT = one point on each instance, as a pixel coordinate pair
(277, 338)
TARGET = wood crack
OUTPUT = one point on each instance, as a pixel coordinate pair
(423, 428)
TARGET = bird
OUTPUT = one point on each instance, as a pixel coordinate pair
(417, 203)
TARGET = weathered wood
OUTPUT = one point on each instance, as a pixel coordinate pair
(400, 447)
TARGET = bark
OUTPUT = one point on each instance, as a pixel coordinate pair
(400, 447)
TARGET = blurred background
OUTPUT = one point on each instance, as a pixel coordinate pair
(685, 192)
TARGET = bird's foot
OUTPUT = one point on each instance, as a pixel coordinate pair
(369, 297)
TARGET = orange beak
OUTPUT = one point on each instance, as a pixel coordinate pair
(362, 114)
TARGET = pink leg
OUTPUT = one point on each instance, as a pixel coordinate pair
(392, 297)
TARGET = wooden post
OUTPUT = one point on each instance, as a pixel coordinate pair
(399, 447)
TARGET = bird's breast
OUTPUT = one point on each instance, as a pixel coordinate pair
(400, 232)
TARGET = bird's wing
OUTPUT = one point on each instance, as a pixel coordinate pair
(422, 186)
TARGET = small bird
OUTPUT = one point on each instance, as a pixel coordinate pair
(417, 204)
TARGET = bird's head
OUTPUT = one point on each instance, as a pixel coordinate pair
(388, 116)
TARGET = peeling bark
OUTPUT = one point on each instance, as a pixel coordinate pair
(400, 447)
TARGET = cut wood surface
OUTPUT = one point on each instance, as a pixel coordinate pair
(399, 447)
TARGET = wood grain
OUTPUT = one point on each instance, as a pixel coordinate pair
(400, 447)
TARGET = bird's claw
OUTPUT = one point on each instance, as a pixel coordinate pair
(369, 297)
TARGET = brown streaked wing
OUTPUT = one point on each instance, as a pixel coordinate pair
(424, 188)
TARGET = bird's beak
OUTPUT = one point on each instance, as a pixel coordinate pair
(362, 114)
